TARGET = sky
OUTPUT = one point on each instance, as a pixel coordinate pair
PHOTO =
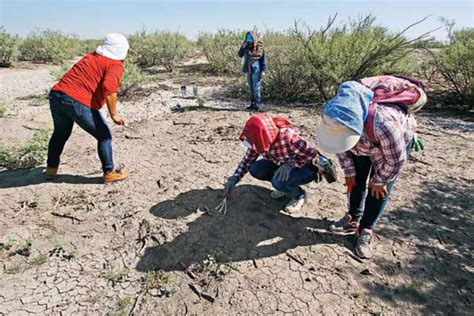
(94, 19)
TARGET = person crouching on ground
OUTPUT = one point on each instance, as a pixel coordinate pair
(287, 159)
(255, 65)
(342, 132)
(78, 97)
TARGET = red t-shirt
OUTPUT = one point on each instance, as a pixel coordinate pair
(91, 79)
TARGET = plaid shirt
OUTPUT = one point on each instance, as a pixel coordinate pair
(290, 147)
(394, 131)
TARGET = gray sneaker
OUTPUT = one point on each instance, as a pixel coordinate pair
(277, 194)
(346, 225)
(364, 244)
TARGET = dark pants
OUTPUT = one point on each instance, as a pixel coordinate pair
(254, 80)
(65, 111)
(264, 170)
(362, 205)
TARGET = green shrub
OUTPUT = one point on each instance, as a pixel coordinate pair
(8, 48)
(451, 70)
(8, 108)
(132, 78)
(49, 47)
(30, 155)
(220, 50)
(159, 49)
(88, 45)
(310, 64)
(288, 78)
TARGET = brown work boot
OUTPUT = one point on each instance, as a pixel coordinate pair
(50, 173)
(114, 176)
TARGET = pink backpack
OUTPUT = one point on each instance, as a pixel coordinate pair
(409, 94)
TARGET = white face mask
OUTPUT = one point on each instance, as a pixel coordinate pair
(246, 144)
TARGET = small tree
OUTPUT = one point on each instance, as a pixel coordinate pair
(451, 70)
(159, 49)
(220, 50)
(8, 48)
(49, 47)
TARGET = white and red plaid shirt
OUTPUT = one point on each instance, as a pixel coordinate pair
(394, 130)
(289, 147)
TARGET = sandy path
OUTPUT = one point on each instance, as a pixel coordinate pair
(101, 243)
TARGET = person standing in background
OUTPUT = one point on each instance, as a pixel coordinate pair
(255, 65)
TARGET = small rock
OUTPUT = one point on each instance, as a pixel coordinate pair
(154, 292)
(366, 272)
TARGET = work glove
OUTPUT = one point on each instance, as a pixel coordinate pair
(283, 173)
(417, 143)
(230, 184)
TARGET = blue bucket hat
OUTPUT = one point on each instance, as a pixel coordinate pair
(343, 118)
(350, 106)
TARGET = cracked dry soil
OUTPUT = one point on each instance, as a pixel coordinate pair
(152, 245)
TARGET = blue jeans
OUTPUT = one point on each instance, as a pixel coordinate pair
(264, 170)
(254, 80)
(363, 206)
(65, 111)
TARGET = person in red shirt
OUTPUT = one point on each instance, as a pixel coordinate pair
(80, 94)
(287, 159)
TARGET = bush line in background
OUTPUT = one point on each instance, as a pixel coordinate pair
(305, 64)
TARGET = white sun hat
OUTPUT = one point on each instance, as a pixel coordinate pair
(115, 47)
(334, 137)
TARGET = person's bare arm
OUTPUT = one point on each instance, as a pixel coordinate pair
(111, 101)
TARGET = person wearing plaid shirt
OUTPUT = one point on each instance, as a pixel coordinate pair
(342, 132)
(286, 158)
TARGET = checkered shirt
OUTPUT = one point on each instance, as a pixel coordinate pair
(289, 147)
(394, 131)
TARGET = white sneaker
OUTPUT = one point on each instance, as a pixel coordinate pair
(364, 244)
(277, 194)
(294, 205)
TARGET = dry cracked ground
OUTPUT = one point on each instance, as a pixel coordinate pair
(154, 245)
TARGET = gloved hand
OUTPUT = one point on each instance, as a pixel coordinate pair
(230, 184)
(417, 143)
(283, 173)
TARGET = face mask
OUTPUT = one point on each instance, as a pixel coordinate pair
(247, 144)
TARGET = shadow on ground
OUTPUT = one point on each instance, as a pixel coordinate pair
(253, 228)
(440, 275)
(26, 177)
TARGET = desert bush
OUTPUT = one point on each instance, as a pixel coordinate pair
(29, 155)
(450, 71)
(309, 64)
(88, 45)
(288, 78)
(49, 47)
(8, 48)
(220, 50)
(132, 78)
(159, 49)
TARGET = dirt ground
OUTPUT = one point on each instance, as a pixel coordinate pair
(153, 245)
